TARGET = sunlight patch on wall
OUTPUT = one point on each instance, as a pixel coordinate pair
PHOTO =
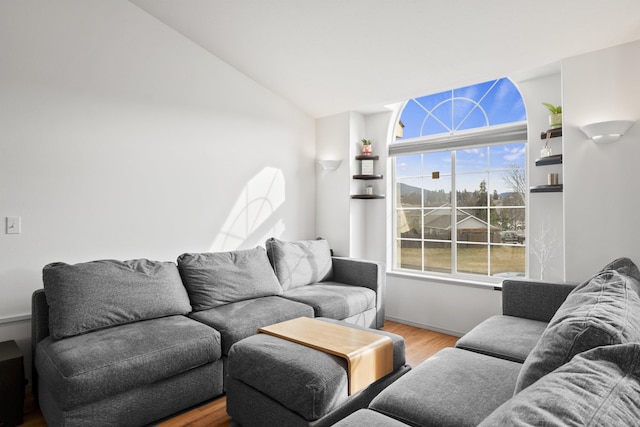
(254, 216)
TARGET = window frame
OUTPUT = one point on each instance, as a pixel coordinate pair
(497, 135)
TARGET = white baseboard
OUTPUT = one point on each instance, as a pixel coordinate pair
(18, 318)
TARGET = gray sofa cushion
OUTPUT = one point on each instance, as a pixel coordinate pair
(300, 263)
(306, 381)
(334, 300)
(596, 388)
(604, 310)
(243, 318)
(454, 388)
(368, 418)
(94, 295)
(507, 337)
(219, 278)
(91, 367)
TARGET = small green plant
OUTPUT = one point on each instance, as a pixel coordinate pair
(365, 141)
(552, 108)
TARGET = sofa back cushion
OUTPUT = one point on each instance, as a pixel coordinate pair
(604, 310)
(300, 263)
(596, 388)
(218, 278)
(98, 294)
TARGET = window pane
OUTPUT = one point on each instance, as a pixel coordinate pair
(472, 160)
(473, 259)
(508, 188)
(408, 192)
(437, 224)
(475, 92)
(437, 192)
(472, 226)
(409, 254)
(412, 117)
(437, 257)
(472, 189)
(407, 166)
(409, 223)
(510, 222)
(507, 156)
(504, 104)
(437, 162)
(508, 260)
(475, 118)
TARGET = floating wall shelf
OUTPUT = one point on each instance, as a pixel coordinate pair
(368, 175)
(554, 133)
(550, 160)
(546, 189)
(368, 196)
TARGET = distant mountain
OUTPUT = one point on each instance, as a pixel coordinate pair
(410, 195)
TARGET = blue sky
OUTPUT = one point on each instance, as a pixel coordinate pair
(484, 104)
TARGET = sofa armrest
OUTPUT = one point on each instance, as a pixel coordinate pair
(39, 317)
(533, 300)
(39, 330)
(370, 274)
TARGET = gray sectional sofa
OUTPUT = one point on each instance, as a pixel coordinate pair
(131, 342)
(560, 355)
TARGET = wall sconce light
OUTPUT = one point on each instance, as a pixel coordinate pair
(605, 132)
(330, 165)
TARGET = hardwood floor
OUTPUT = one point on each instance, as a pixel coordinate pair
(420, 344)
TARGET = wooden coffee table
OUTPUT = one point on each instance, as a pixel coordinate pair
(369, 355)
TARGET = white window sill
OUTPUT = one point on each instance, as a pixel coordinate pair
(495, 284)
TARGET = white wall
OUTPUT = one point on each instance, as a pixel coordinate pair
(332, 195)
(601, 181)
(357, 208)
(119, 138)
(545, 223)
(380, 128)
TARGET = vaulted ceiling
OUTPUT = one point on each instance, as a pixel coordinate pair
(331, 56)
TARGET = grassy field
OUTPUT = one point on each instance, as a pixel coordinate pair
(471, 259)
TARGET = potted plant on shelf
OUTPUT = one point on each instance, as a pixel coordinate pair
(555, 115)
(366, 147)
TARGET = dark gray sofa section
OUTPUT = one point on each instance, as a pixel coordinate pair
(131, 342)
(242, 319)
(580, 369)
(110, 335)
(310, 274)
(527, 308)
(456, 388)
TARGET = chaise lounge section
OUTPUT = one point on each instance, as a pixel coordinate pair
(559, 355)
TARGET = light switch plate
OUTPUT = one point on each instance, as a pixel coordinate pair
(13, 225)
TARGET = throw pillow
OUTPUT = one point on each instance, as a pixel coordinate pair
(219, 278)
(597, 388)
(604, 310)
(300, 263)
(98, 294)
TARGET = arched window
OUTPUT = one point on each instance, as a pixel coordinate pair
(459, 182)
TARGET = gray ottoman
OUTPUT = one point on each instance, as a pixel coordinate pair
(275, 382)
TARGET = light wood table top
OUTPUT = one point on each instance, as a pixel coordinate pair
(369, 355)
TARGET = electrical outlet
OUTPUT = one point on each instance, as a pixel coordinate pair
(13, 225)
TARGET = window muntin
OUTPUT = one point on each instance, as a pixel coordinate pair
(484, 185)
